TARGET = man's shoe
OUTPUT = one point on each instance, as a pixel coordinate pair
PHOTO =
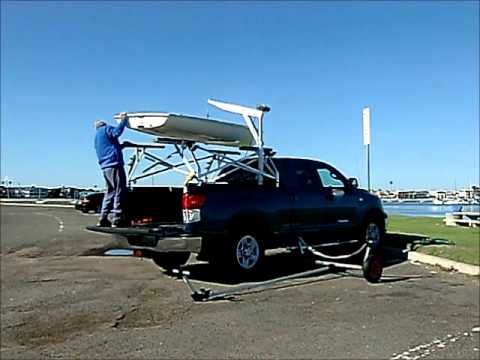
(104, 223)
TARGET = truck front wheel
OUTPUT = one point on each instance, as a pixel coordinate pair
(170, 260)
(372, 265)
(373, 233)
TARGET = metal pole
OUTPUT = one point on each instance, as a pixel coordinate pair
(366, 140)
(250, 286)
(261, 153)
(368, 166)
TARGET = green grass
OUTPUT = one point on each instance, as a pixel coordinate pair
(467, 240)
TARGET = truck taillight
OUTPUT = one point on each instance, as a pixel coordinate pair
(191, 201)
(191, 204)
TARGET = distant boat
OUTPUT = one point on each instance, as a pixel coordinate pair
(389, 200)
(451, 201)
(416, 201)
(426, 201)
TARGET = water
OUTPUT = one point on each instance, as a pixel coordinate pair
(426, 209)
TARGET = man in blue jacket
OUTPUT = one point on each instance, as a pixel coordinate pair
(110, 159)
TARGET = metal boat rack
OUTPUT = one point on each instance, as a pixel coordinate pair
(201, 163)
(372, 269)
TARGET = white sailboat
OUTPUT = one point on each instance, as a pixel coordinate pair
(178, 127)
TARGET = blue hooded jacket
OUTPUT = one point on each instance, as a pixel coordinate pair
(109, 150)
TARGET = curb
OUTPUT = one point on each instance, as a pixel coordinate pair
(445, 263)
(37, 205)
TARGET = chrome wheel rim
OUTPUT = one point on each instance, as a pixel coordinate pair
(248, 252)
(372, 235)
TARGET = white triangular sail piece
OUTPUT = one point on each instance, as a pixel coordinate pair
(236, 109)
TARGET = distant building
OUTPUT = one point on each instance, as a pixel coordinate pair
(35, 192)
(41, 192)
(413, 194)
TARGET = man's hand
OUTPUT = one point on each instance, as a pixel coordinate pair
(115, 132)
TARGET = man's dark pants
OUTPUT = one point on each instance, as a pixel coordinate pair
(116, 182)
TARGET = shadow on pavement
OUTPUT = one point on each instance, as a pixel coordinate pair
(275, 266)
(287, 263)
(413, 241)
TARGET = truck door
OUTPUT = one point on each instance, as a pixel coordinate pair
(339, 213)
(309, 201)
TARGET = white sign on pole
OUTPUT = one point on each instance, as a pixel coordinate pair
(366, 125)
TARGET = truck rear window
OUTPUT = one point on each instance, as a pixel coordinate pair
(242, 177)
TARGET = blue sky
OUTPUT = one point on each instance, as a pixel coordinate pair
(416, 64)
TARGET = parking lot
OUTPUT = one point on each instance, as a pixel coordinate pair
(60, 298)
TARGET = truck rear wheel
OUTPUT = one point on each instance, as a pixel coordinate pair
(170, 260)
(245, 254)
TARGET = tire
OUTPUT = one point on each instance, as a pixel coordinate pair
(170, 260)
(246, 253)
(372, 268)
(373, 232)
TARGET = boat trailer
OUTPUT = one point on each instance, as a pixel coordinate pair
(371, 267)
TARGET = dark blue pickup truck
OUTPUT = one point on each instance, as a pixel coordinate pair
(233, 222)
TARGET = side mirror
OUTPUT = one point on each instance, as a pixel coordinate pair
(353, 183)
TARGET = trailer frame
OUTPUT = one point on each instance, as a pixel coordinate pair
(202, 163)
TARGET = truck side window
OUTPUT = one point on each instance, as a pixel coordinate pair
(306, 178)
(242, 177)
(330, 178)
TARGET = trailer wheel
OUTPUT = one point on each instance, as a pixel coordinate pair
(170, 260)
(372, 268)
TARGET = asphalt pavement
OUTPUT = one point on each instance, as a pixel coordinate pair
(59, 298)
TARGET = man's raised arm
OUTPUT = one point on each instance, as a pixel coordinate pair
(118, 130)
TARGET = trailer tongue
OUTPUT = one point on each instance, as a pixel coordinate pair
(371, 267)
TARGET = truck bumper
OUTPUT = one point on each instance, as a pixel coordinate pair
(161, 239)
(170, 244)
